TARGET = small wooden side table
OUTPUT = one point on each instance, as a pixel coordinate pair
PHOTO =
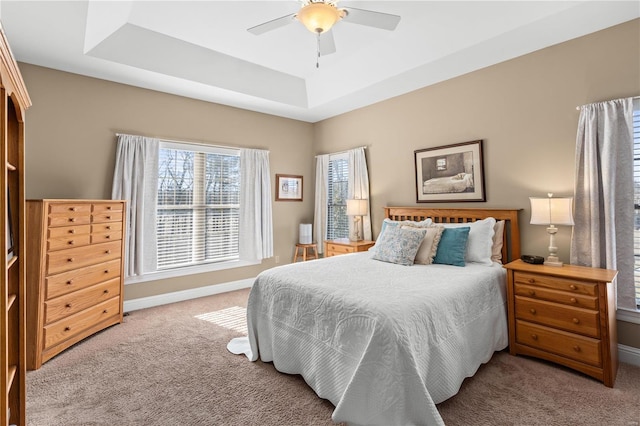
(307, 251)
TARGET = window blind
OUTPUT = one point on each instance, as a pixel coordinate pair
(338, 182)
(198, 205)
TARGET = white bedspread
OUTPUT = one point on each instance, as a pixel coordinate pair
(384, 343)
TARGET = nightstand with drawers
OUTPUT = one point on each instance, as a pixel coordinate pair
(565, 315)
(344, 246)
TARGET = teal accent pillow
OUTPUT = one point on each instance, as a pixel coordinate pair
(398, 245)
(452, 246)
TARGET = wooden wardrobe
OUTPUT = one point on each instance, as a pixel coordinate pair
(14, 102)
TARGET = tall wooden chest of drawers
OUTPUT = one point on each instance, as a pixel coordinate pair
(566, 315)
(74, 272)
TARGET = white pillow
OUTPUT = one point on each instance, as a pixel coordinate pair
(480, 240)
(496, 248)
(427, 250)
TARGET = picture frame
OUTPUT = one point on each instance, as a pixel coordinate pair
(288, 187)
(450, 173)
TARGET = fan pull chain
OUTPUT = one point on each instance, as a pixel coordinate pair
(318, 57)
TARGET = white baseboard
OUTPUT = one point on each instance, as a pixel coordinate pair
(629, 354)
(179, 296)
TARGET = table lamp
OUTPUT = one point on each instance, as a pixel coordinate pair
(356, 208)
(552, 211)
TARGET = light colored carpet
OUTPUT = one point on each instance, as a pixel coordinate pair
(169, 366)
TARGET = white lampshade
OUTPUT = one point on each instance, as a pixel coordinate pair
(357, 207)
(551, 211)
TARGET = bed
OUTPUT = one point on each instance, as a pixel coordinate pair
(382, 341)
(444, 185)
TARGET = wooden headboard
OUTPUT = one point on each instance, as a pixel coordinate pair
(511, 236)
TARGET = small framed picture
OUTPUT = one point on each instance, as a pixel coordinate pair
(288, 188)
(450, 173)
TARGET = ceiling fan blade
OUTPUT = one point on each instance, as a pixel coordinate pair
(385, 21)
(272, 25)
(327, 43)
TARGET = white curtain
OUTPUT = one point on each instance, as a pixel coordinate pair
(320, 213)
(602, 234)
(135, 179)
(359, 187)
(256, 222)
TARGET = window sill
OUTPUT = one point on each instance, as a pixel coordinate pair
(628, 315)
(200, 269)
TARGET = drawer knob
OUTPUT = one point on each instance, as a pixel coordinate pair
(577, 348)
(72, 219)
(71, 242)
(73, 209)
(106, 271)
(68, 305)
(70, 259)
(107, 252)
(576, 321)
(108, 227)
(108, 217)
(108, 207)
(531, 280)
(107, 236)
(72, 231)
(532, 293)
(534, 336)
(69, 282)
(67, 329)
(572, 287)
(573, 300)
(106, 292)
(105, 311)
(533, 311)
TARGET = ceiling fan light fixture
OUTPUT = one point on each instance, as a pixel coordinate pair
(319, 17)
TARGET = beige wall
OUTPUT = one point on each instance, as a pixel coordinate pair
(524, 110)
(71, 144)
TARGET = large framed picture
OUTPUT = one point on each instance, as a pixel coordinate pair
(450, 173)
(288, 188)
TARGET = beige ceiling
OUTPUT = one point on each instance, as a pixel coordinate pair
(202, 49)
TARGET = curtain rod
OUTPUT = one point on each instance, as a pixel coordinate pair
(633, 97)
(184, 141)
(342, 152)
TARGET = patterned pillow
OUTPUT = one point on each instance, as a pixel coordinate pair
(452, 246)
(398, 245)
(427, 250)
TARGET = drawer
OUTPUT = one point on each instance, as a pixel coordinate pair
(66, 282)
(97, 228)
(571, 299)
(106, 237)
(77, 301)
(68, 208)
(69, 219)
(65, 260)
(556, 283)
(107, 207)
(72, 325)
(578, 348)
(578, 320)
(107, 217)
(68, 242)
(66, 231)
(339, 249)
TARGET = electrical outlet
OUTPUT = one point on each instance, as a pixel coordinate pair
(277, 259)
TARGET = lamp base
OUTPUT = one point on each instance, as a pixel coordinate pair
(553, 261)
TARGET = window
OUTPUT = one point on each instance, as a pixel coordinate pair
(198, 207)
(338, 177)
(636, 199)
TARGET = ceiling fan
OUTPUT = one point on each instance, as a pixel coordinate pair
(318, 16)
